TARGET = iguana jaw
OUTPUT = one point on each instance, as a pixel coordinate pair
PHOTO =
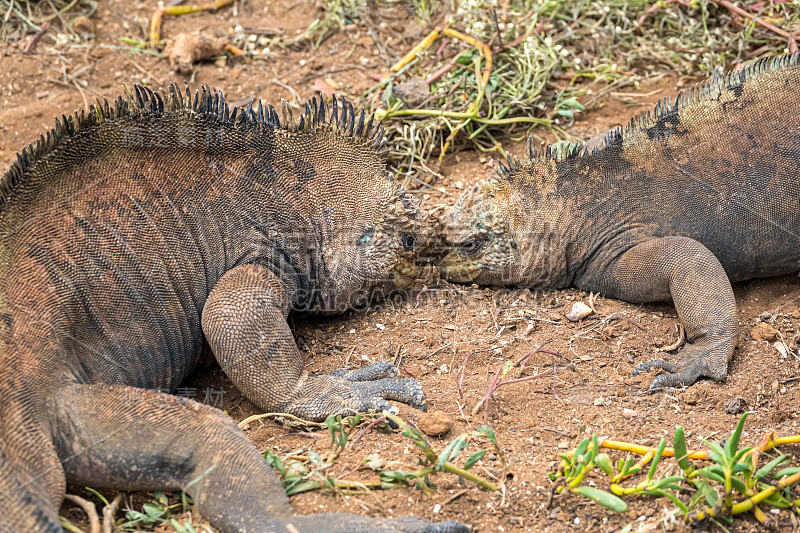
(456, 270)
(405, 273)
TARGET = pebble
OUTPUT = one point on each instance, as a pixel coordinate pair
(579, 311)
(764, 332)
(435, 423)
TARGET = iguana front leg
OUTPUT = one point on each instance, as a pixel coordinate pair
(244, 320)
(686, 271)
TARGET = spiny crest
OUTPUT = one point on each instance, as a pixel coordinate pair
(343, 117)
(532, 155)
(208, 102)
(708, 89)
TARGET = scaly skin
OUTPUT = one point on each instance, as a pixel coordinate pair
(127, 237)
(670, 208)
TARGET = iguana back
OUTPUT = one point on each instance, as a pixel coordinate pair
(131, 234)
(702, 189)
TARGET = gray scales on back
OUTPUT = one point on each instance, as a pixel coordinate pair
(129, 235)
(671, 207)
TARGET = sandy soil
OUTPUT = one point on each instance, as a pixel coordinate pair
(445, 325)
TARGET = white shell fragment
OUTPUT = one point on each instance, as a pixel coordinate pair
(579, 310)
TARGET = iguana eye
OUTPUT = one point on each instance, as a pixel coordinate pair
(366, 237)
(409, 241)
(471, 247)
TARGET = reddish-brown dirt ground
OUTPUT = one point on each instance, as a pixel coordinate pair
(445, 324)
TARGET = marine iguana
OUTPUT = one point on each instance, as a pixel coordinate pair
(129, 234)
(704, 190)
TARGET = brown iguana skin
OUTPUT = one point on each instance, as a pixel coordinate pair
(129, 234)
(670, 207)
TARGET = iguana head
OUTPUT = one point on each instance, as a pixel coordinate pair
(479, 245)
(370, 231)
(506, 230)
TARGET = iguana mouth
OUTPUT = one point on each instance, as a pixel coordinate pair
(456, 270)
(405, 273)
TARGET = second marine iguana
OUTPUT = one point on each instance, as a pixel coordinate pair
(129, 234)
(703, 190)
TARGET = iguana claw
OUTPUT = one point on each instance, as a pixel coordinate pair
(677, 375)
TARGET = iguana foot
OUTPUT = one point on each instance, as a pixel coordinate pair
(364, 390)
(678, 374)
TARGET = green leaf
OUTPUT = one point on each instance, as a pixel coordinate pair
(787, 472)
(592, 453)
(669, 482)
(102, 498)
(161, 498)
(606, 499)
(603, 462)
(739, 485)
(712, 472)
(451, 451)
(489, 432)
(396, 476)
(711, 497)
(153, 510)
(333, 426)
(301, 485)
(275, 462)
(296, 469)
(733, 443)
(581, 450)
(717, 454)
(567, 459)
(314, 458)
(474, 458)
(741, 467)
(681, 453)
(656, 459)
(770, 466)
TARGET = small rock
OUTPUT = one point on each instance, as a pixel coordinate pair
(435, 423)
(764, 332)
(413, 91)
(735, 406)
(189, 48)
(83, 25)
(693, 395)
(563, 445)
(629, 413)
(579, 311)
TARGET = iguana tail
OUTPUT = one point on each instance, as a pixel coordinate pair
(31, 479)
